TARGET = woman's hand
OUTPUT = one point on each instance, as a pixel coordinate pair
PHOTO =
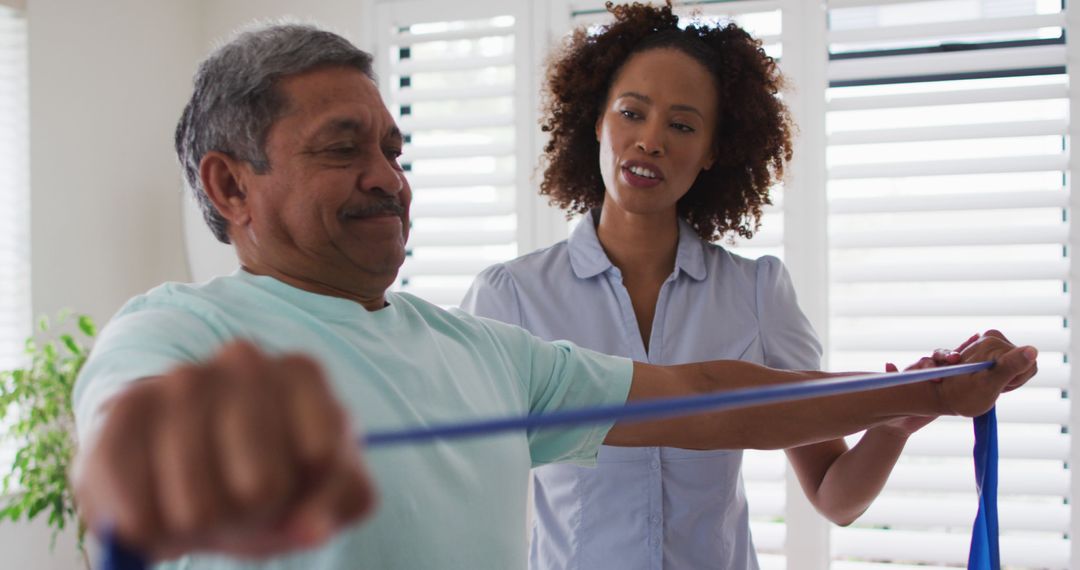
(904, 427)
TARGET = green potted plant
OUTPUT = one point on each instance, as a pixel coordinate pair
(36, 415)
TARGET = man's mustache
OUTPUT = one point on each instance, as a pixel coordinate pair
(380, 208)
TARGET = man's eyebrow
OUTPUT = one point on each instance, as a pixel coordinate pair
(339, 125)
(675, 107)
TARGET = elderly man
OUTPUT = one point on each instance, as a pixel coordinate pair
(205, 431)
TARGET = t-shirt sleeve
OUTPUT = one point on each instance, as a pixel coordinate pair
(788, 338)
(566, 376)
(493, 295)
(137, 344)
(558, 376)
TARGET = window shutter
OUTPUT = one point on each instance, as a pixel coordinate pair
(451, 73)
(14, 190)
(948, 215)
(15, 319)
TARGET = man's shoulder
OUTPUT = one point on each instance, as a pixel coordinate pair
(183, 312)
(431, 314)
(178, 296)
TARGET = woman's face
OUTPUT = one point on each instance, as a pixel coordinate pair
(656, 131)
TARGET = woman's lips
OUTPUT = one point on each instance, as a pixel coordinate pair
(637, 180)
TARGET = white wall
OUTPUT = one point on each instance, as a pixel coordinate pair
(107, 83)
(27, 546)
(344, 17)
(108, 80)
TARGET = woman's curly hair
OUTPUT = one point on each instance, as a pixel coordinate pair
(752, 134)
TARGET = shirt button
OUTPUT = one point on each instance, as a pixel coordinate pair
(655, 519)
(655, 464)
(655, 541)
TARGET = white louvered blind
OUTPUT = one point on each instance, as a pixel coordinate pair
(452, 74)
(947, 171)
(14, 195)
(14, 189)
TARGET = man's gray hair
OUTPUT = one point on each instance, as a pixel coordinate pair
(235, 101)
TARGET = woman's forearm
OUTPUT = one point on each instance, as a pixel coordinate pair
(850, 482)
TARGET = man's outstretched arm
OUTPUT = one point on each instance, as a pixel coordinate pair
(246, 454)
(791, 424)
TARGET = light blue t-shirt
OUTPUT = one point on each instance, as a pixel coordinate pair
(448, 505)
(649, 508)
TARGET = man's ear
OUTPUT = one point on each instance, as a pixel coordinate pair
(223, 181)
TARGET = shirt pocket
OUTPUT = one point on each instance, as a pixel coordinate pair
(735, 343)
(747, 347)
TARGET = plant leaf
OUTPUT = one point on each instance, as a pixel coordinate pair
(36, 401)
(71, 345)
(86, 325)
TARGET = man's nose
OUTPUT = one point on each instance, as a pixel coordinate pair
(384, 179)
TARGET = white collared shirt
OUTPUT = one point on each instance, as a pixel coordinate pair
(648, 508)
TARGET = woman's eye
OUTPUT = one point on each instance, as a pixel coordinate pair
(629, 114)
(682, 128)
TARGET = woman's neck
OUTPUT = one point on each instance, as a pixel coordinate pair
(643, 246)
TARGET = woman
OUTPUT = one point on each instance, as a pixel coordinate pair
(668, 139)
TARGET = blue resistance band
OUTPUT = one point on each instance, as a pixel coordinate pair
(984, 553)
(119, 557)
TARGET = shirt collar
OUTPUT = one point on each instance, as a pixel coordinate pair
(588, 259)
(587, 256)
(690, 257)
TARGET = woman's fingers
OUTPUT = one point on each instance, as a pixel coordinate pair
(974, 394)
(968, 342)
(1024, 360)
